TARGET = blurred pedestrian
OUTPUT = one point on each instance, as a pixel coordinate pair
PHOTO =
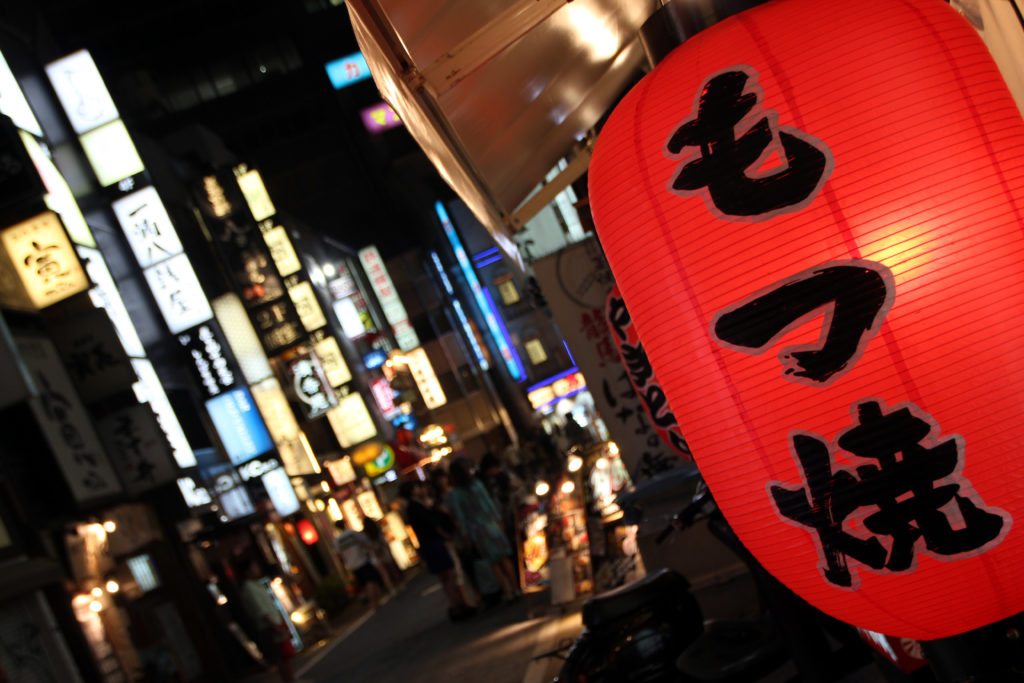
(480, 522)
(504, 487)
(273, 637)
(380, 554)
(428, 524)
(356, 554)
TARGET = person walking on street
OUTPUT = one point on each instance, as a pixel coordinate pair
(355, 549)
(480, 522)
(380, 554)
(429, 526)
(273, 637)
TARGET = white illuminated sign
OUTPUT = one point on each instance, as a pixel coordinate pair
(384, 288)
(306, 305)
(281, 250)
(351, 421)
(242, 338)
(81, 91)
(105, 295)
(44, 260)
(281, 492)
(342, 471)
(111, 153)
(333, 362)
(256, 195)
(195, 495)
(348, 316)
(58, 194)
(147, 226)
(149, 390)
(257, 468)
(369, 504)
(178, 293)
(13, 102)
(426, 379)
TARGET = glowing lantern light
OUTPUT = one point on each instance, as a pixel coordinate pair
(814, 212)
(307, 532)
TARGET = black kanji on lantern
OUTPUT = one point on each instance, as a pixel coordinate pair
(911, 492)
(854, 296)
(729, 163)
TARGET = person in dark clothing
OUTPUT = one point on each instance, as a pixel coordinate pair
(427, 523)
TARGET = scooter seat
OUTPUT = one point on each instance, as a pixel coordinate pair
(660, 588)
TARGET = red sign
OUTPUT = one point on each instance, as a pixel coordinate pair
(384, 395)
(814, 211)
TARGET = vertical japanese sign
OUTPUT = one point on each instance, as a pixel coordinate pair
(384, 288)
(822, 288)
(44, 261)
(65, 423)
(137, 447)
(576, 283)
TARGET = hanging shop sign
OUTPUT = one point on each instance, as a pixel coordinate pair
(333, 362)
(194, 494)
(348, 70)
(379, 118)
(42, 261)
(641, 375)
(836, 247)
(93, 355)
(13, 102)
(137, 448)
(178, 294)
(384, 462)
(245, 344)
(281, 249)
(231, 493)
(426, 379)
(306, 305)
(576, 282)
(149, 390)
(307, 382)
(390, 303)
(106, 295)
(111, 153)
(384, 395)
(206, 347)
(254, 469)
(369, 505)
(277, 325)
(552, 390)
(250, 182)
(81, 91)
(284, 429)
(374, 359)
(281, 492)
(341, 471)
(350, 421)
(65, 424)
(239, 426)
(146, 224)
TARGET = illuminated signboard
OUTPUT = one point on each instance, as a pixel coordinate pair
(43, 259)
(379, 118)
(384, 395)
(147, 226)
(426, 380)
(242, 338)
(460, 313)
(342, 471)
(563, 385)
(306, 305)
(105, 295)
(178, 294)
(111, 153)
(348, 70)
(369, 504)
(58, 194)
(333, 362)
(81, 91)
(494, 325)
(281, 492)
(13, 102)
(351, 421)
(374, 359)
(310, 385)
(281, 249)
(278, 325)
(205, 346)
(255, 193)
(384, 288)
(239, 425)
(283, 427)
(195, 495)
(149, 390)
(348, 316)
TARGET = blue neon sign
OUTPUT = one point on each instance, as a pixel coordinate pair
(348, 70)
(239, 425)
(483, 300)
(460, 313)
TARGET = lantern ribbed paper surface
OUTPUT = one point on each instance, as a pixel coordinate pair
(815, 213)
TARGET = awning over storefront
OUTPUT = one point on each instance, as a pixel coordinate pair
(497, 91)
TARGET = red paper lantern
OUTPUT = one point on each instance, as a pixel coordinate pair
(307, 532)
(814, 211)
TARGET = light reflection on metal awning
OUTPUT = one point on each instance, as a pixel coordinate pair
(497, 91)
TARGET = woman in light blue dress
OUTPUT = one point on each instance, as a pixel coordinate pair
(479, 522)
